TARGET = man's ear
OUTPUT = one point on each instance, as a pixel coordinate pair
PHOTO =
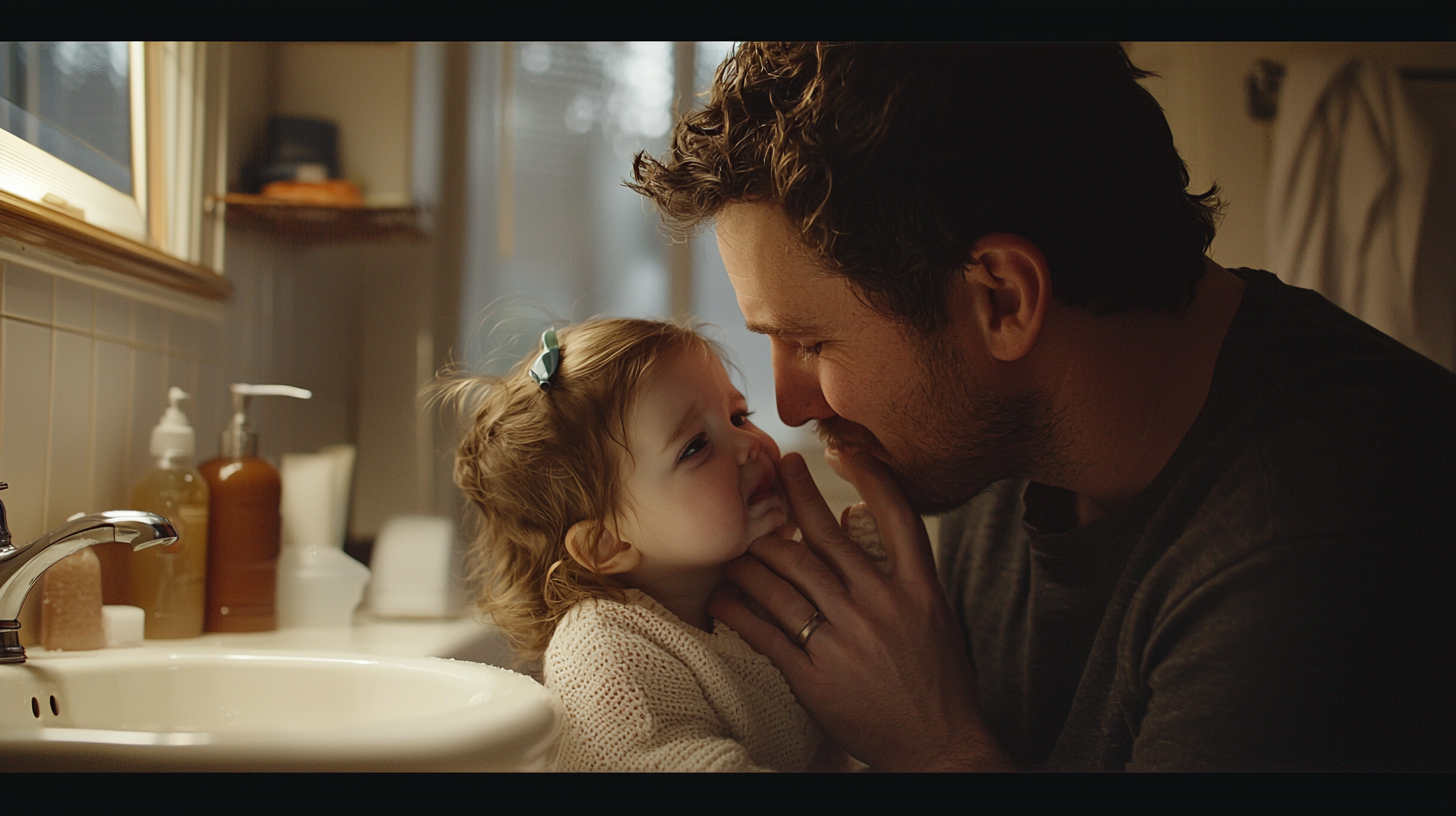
(608, 555)
(1009, 287)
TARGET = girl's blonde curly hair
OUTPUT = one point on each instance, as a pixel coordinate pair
(536, 461)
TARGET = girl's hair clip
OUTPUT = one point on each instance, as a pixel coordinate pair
(545, 366)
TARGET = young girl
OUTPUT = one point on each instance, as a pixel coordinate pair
(616, 471)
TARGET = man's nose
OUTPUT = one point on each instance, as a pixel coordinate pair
(796, 385)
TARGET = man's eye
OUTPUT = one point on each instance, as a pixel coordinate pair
(807, 353)
(693, 448)
(741, 418)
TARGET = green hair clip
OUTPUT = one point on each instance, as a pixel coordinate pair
(545, 366)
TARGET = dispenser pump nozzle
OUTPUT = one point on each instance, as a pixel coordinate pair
(173, 435)
(238, 439)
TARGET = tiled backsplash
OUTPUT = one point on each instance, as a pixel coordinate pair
(86, 358)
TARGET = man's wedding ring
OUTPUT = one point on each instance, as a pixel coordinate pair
(809, 626)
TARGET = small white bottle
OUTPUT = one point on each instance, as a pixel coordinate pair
(169, 582)
(319, 585)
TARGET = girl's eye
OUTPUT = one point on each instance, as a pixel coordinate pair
(741, 418)
(693, 448)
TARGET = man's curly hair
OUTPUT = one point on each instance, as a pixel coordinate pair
(892, 160)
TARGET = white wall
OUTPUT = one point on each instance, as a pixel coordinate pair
(364, 88)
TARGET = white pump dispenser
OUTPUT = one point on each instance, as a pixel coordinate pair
(173, 435)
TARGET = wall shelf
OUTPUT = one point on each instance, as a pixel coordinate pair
(313, 224)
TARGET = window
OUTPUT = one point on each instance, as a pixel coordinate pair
(108, 152)
(73, 130)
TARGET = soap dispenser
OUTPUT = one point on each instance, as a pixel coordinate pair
(168, 582)
(244, 523)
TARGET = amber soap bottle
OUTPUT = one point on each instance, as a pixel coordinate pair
(244, 525)
(169, 582)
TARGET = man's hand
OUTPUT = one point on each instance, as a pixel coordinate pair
(885, 673)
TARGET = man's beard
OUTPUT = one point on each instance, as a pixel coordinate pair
(965, 439)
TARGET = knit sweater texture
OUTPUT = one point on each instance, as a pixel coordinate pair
(639, 690)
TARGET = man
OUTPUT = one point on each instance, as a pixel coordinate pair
(1197, 517)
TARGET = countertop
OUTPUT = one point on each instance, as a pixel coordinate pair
(463, 638)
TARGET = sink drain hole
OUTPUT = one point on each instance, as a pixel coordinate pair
(55, 709)
(35, 707)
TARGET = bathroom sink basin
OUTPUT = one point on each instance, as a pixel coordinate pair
(152, 708)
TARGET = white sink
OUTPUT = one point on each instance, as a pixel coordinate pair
(152, 708)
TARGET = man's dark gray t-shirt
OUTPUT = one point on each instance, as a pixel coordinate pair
(1278, 597)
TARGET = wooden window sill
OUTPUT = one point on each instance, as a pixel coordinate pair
(45, 228)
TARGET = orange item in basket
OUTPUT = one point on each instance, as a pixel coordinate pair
(332, 193)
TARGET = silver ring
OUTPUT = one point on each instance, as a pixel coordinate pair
(808, 629)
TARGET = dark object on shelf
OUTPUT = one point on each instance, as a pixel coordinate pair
(297, 148)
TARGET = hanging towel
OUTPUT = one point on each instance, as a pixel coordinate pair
(1346, 191)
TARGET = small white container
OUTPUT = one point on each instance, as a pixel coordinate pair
(319, 585)
(413, 562)
(123, 625)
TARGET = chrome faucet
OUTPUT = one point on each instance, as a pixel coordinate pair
(21, 567)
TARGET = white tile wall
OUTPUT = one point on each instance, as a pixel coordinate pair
(25, 397)
(86, 358)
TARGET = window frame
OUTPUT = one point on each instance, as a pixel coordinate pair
(166, 232)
